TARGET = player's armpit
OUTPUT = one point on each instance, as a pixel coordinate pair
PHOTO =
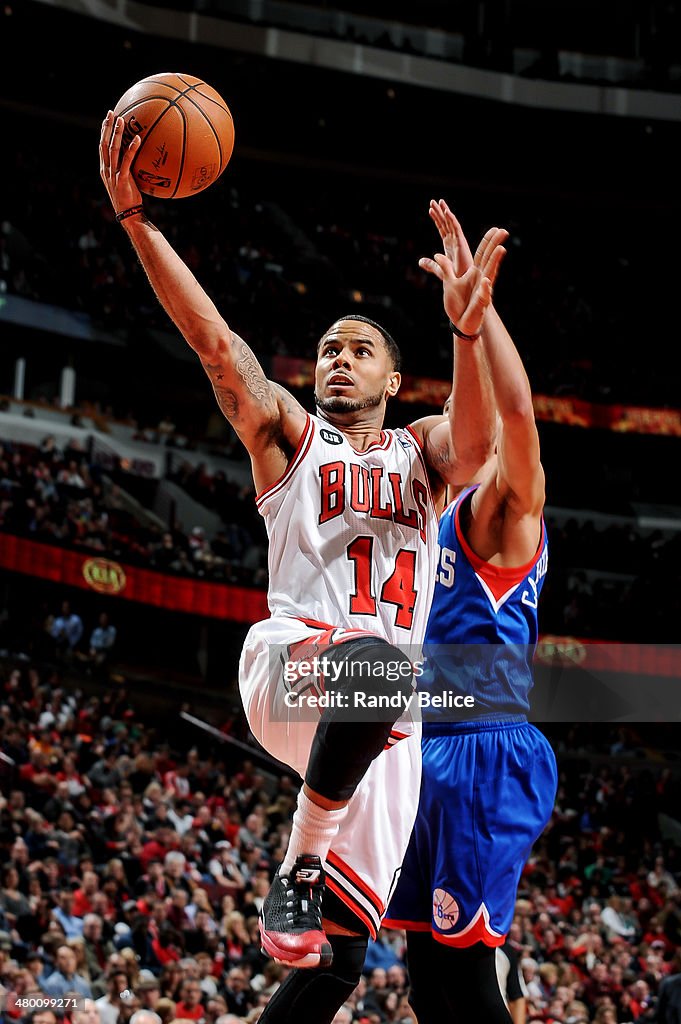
(453, 466)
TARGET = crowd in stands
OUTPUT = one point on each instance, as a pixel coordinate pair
(610, 582)
(133, 866)
(60, 497)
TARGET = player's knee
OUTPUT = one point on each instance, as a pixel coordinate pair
(373, 683)
(376, 668)
(349, 953)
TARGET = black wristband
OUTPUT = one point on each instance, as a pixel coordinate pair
(124, 214)
(466, 337)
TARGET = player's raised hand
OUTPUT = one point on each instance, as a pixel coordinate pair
(467, 280)
(114, 168)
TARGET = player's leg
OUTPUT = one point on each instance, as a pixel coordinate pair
(498, 791)
(315, 996)
(346, 741)
(457, 985)
(336, 766)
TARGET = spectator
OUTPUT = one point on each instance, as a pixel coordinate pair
(64, 978)
(189, 1006)
(82, 896)
(97, 949)
(44, 1017)
(224, 870)
(63, 913)
(109, 1005)
(660, 876)
(144, 1016)
(166, 1010)
(104, 774)
(87, 1013)
(67, 629)
(102, 640)
(616, 924)
(237, 991)
(149, 991)
(13, 902)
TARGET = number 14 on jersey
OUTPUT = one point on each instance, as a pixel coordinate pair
(398, 589)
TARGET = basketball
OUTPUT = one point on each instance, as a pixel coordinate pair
(187, 134)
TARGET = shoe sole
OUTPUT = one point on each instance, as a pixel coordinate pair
(322, 958)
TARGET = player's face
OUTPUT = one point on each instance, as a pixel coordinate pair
(354, 370)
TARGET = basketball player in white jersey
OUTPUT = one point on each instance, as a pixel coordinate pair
(351, 512)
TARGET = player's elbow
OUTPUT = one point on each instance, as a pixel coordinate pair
(211, 339)
(519, 413)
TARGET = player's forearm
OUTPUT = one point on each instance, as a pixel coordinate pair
(472, 413)
(510, 386)
(176, 288)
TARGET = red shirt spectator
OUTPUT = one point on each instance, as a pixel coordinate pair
(189, 1006)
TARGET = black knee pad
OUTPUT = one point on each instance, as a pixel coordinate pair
(315, 996)
(372, 666)
(375, 681)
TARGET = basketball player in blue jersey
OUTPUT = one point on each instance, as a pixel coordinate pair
(489, 779)
(351, 514)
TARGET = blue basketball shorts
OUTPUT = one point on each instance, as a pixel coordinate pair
(487, 793)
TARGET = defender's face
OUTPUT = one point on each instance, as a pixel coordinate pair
(354, 370)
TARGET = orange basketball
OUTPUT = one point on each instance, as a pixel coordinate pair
(187, 134)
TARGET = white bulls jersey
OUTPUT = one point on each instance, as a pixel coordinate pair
(353, 544)
(353, 535)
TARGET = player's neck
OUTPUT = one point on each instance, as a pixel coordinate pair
(361, 428)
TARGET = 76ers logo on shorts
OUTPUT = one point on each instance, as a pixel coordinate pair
(445, 911)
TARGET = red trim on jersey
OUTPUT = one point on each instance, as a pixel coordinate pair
(340, 865)
(394, 738)
(405, 926)
(419, 442)
(315, 624)
(499, 578)
(354, 906)
(399, 735)
(294, 462)
(383, 443)
(424, 466)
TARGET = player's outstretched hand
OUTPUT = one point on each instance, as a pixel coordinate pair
(467, 280)
(114, 169)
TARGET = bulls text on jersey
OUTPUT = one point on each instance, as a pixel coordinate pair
(371, 491)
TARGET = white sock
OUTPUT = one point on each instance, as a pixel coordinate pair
(314, 829)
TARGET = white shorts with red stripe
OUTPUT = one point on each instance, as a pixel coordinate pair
(364, 863)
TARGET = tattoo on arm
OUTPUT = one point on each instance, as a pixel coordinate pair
(227, 401)
(252, 375)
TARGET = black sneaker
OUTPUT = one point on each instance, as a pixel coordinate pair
(291, 917)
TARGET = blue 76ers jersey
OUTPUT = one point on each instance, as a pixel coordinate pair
(482, 628)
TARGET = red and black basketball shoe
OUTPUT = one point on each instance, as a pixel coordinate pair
(291, 916)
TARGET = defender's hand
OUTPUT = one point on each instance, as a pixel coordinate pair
(467, 281)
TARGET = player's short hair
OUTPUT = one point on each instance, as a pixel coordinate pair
(390, 343)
